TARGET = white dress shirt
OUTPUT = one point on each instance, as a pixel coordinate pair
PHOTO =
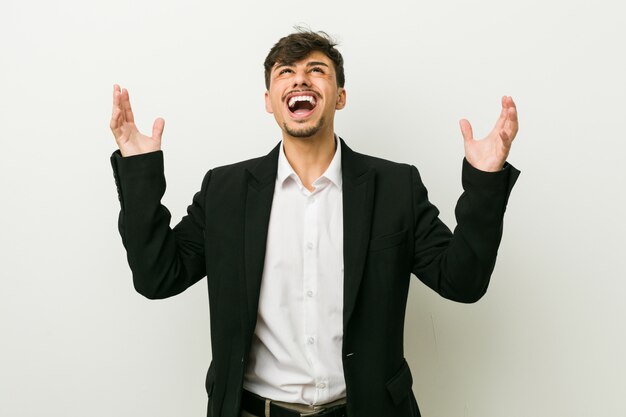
(296, 349)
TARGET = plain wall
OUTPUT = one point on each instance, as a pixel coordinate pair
(547, 340)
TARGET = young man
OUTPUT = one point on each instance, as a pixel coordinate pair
(308, 250)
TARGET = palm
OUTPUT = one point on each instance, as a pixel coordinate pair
(490, 153)
(128, 138)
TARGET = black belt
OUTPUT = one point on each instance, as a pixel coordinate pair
(254, 404)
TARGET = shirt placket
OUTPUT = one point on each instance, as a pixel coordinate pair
(310, 289)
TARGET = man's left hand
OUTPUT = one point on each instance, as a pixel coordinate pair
(489, 154)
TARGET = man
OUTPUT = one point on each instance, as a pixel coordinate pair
(308, 250)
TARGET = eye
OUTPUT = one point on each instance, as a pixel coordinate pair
(284, 70)
(317, 69)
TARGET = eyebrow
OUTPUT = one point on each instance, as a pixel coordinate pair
(308, 64)
(314, 63)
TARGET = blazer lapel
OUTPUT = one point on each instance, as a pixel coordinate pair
(259, 193)
(358, 198)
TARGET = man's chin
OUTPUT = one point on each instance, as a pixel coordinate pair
(303, 131)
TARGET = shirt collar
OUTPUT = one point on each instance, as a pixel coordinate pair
(332, 173)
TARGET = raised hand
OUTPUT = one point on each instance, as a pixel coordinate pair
(490, 153)
(128, 138)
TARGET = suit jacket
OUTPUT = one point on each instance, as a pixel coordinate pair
(390, 231)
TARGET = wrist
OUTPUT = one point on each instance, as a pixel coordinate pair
(487, 166)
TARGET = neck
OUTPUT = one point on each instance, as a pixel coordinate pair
(310, 157)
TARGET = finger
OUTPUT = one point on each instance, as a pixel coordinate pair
(512, 125)
(510, 129)
(116, 122)
(511, 102)
(157, 128)
(116, 97)
(508, 103)
(128, 111)
(506, 139)
(116, 91)
(503, 112)
(115, 118)
(466, 130)
(512, 111)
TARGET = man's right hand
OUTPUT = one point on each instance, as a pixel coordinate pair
(128, 138)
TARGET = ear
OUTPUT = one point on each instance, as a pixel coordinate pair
(341, 98)
(268, 103)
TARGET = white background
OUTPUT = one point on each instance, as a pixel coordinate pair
(549, 337)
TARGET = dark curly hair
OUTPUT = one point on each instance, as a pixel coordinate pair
(297, 46)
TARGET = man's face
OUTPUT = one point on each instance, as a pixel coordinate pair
(303, 96)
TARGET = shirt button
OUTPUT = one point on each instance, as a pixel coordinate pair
(321, 385)
(310, 340)
(311, 200)
(309, 245)
(309, 293)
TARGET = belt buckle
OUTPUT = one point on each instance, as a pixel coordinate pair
(316, 411)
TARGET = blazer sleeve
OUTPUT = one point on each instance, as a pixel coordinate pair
(164, 261)
(459, 265)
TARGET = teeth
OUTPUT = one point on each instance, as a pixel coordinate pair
(295, 99)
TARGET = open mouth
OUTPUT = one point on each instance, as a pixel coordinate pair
(301, 105)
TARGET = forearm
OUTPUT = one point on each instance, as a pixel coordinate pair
(164, 262)
(459, 265)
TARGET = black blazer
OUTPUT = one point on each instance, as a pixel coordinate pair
(390, 231)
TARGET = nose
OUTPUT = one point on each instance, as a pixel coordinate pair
(301, 78)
